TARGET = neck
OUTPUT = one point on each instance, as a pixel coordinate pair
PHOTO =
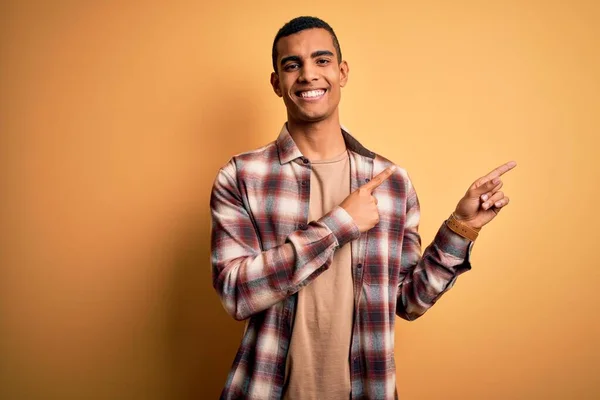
(317, 141)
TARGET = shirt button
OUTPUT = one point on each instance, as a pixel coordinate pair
(359, 266)
(367, 180)
(303, 183)
(305, 160)
(303, 226)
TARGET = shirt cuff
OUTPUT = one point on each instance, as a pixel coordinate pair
(341, 225)
(453, 244)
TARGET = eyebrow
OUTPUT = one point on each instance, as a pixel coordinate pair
(315, 54)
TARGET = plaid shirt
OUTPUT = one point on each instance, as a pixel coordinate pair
(264, 250)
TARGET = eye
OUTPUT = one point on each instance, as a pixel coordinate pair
(323, 61)
(291, 66)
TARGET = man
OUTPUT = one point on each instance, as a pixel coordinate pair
(315, 242)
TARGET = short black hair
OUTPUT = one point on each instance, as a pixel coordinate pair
(299, 24)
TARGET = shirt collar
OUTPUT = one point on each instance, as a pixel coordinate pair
(288, 150)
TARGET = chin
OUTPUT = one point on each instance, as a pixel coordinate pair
(310, 120)
(312, 117)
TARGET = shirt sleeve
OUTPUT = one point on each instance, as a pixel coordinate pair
(424, 279)
(250, 280)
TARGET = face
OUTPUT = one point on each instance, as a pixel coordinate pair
(309, 77)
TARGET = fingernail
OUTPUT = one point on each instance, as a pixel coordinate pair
(486, 206)
(498, 204)
(496, 181)
(484, 197)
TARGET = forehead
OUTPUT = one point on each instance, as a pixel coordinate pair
(305, 42)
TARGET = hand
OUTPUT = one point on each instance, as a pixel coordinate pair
(362, 206)
(484, 200)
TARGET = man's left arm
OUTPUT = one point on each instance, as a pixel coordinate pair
(424, 279)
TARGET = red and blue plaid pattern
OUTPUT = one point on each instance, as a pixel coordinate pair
(264, 250)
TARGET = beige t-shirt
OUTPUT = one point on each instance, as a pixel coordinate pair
(318, 359)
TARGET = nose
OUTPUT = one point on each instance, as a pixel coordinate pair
(308, 73)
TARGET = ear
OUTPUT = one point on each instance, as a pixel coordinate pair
(275, 84)
(344, 71)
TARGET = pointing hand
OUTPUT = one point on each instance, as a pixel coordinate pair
(362, 205)
(484, 200)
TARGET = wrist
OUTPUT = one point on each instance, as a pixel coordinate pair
(462, 227)
(467, 222)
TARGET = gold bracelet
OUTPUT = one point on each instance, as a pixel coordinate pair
(462, 229)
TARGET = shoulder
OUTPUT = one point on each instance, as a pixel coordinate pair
(254, 160)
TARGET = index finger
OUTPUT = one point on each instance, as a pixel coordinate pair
(501, 170)
(379, 179)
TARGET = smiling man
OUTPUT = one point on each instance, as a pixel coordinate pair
(315, 241)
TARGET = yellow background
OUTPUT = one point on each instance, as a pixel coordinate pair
(116, 116)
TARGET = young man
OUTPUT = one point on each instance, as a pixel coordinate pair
(315, 242)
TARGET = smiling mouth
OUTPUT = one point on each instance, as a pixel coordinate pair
(311, 94)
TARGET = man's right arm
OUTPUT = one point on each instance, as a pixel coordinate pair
(249, 280)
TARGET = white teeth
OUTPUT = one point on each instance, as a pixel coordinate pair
(312, 93)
